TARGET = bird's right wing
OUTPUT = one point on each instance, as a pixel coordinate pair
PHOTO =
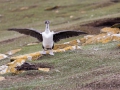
(66, 34)
(26, 31)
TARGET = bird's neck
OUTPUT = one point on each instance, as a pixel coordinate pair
(47, 30)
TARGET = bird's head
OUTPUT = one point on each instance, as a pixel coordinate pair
(47, 22)
(47, 30)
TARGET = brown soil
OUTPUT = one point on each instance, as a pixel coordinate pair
(27, 66)
(94, 27)
(111, 82)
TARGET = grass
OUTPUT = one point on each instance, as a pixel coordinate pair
(71, 70)
(83, 66)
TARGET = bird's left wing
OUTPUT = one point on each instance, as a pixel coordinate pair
(27, 31)
(66, 34)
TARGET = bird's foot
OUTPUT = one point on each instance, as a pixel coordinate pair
(51, 53)
(43, 52)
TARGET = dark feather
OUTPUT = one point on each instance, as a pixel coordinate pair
(66, 34)
(31, 32)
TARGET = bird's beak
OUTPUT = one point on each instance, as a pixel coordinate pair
(47, 22)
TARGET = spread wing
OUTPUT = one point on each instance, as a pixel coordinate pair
(66, 34)
(31, 32)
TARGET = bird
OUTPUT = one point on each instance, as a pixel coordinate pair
(48, 38)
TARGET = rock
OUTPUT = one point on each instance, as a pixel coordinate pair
(3, 56)
(110, 30)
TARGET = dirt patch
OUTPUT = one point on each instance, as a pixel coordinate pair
(94, 27)
(106, 22)
(27, 66)
(109, 83)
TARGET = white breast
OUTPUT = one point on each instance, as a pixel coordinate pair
(47, 39)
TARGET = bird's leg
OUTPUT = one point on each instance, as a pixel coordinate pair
(51, 52)
(43, 52)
